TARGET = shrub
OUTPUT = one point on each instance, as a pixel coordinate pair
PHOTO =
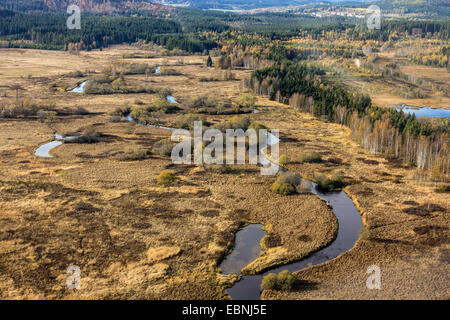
(304, 187)
(162, 147)
(166, 178)
(247, 101)
(283, 160)
(290, 178)
(310, 157)
(133, 155)
(187, 121)
(220, 168)
(269, 282)
(90, 136)
(235, 123)
(169, 72)
(284, 281)
(121, 111)
(284, 189)
(21, 108)
(209, 62)
(164, 92)
(330, 184)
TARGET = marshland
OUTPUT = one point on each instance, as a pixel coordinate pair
(87, 179)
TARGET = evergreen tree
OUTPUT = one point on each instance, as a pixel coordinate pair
(209, 62)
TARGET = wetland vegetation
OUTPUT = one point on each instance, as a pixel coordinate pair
(86, 179)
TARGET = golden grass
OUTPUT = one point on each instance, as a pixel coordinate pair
(86, 207)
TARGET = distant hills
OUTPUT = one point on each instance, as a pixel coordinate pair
(252, 4)
(124, 6)
(99, 6)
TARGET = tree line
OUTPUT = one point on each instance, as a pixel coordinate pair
(49, 31)
(385, 131)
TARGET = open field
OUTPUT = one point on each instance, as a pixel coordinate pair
(89, 208)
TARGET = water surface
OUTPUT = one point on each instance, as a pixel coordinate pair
(350, 223)
(424, 112)
(80, 88)
(247, 242)
(171, 99)
(246, 250)
(44, 150)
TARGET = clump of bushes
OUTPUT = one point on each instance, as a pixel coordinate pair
(284, 281)
(187, 121)
(166, 178)
(220, 168)
(134, 155)
(247, 101)
(235, 123)
(90, 136)
(330, 184)
(283, 160)
(121, 111)
(289, 177)
(169, 72)
(163, 147)
(310, 157)
(286, 183)
(128, 69)
(22, 108)
(164, 106)
(304, 187)
(111, 85)
(210, 105)
(284, 189)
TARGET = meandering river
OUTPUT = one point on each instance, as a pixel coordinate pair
(44, 150)
(248, 288)
(247, 242)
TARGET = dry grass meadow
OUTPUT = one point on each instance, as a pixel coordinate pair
(135, 239)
